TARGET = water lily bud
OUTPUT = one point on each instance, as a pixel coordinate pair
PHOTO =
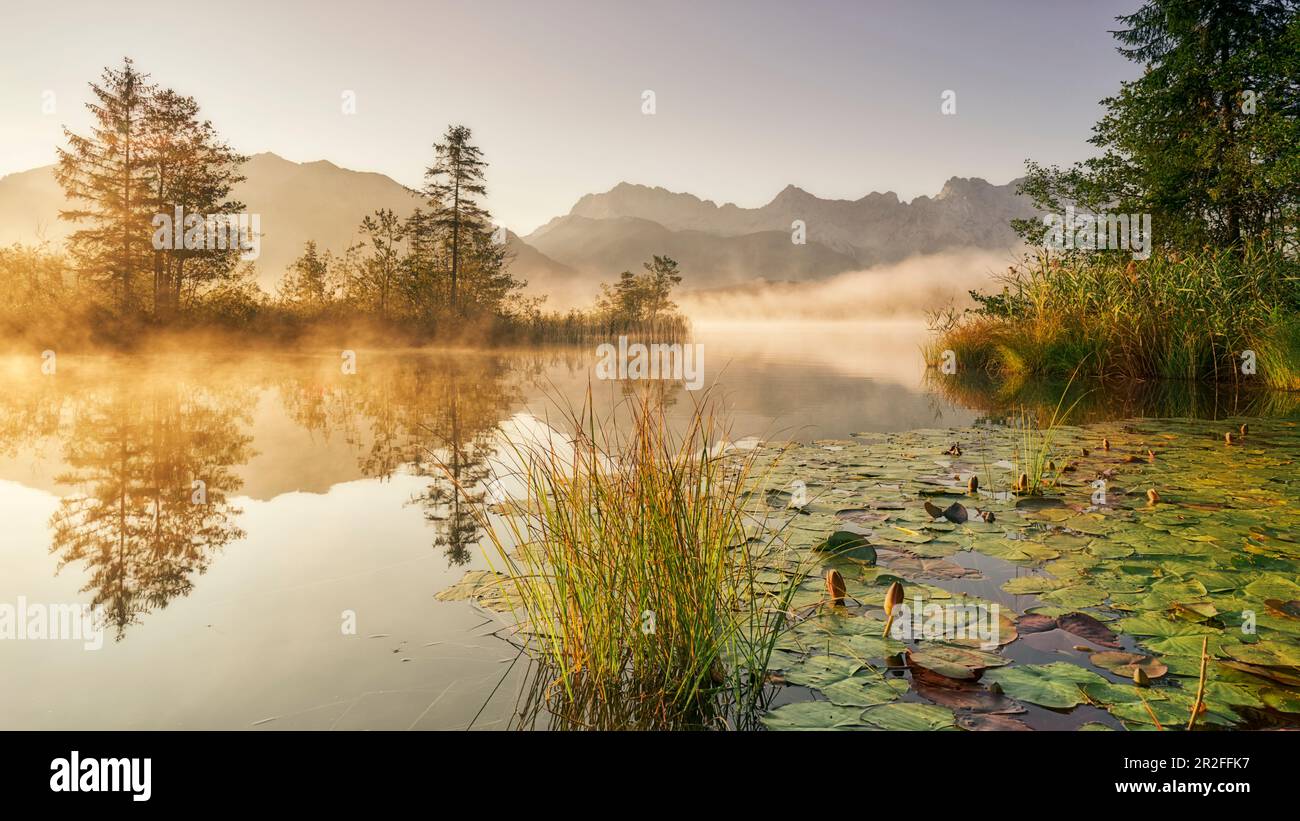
(835, 586)
(1227, 438)
(973, 485)
(1105, 444)
(893, 598)
(1244, 428)
(1140, 677)
(1152, 496)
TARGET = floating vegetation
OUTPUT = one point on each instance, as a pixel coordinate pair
(1144, 579)
(1175, 610)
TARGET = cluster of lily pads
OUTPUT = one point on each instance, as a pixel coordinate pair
(1148, 580)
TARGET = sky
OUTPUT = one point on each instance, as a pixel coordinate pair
(839, 98)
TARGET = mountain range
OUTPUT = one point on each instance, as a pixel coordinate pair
(603, 234)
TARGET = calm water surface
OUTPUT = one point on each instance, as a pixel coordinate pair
(324, 504)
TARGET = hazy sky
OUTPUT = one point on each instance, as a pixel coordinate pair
(839, 98)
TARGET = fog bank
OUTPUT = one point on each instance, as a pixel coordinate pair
(900, 290)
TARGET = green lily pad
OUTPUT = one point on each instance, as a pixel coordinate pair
(1054, 685)
(909, 716)
(814, 715)
(848, 545)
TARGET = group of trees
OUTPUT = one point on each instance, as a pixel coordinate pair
(149, 156)
(148, 153)
(642, 299)
(1207, 139)
(444, 262)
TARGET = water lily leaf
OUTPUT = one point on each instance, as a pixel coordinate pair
(864, 691)
(814, 715)
(956, 513)
(1124, 664)
(1267, 654)
(961, 663)
(905, 715)
(1022, 585)
(1278, 675)
(1054, 685)
(1077, 595)
(495, 591)
(1196, 611)
(848, 545)
(822, 671)
(1154, 625)
(906, 535)
(918, 567)
(1112, 693)
(1286, 609)
(960, 695)
(1175, 646)
(1137, 712)
(860, 516)
(991, 722)
(1272, 586)
(1284, 701)
(1088, 628)
(779, 498)
(1103, 549)
(1035, 623)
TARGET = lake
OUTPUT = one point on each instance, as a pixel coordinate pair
(266, 534)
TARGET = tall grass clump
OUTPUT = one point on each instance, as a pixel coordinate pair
(1033, 462)
(1170, 316)
(630, 561)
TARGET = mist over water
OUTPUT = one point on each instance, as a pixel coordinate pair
(904, 289)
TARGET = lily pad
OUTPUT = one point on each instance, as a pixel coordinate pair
(1088, 628)
(1125, 664)
(908, 716)
(848, 545)
(814, 715)
(961, 663)
(1054, 685)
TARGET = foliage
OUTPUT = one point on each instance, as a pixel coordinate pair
(1192, 316)
(1207, 139)
(632, 568)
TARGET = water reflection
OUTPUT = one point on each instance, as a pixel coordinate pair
(148, 457)
(153, 459)
(328, 491)
(150, 468)
(1091, 402)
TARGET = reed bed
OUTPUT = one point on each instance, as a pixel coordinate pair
(631, 562)
(1168, 317)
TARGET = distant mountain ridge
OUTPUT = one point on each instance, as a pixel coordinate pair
(875, 229)
(603, 234)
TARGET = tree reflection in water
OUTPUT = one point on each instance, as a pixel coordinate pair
(150, 465)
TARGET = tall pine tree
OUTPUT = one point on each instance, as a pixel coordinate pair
(108, 174)
(453, 186)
